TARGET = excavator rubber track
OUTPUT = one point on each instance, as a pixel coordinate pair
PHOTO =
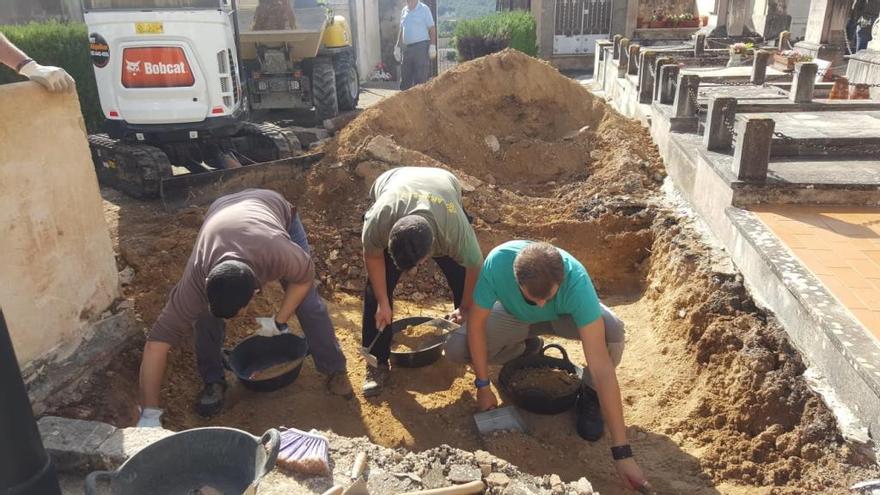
(135, 169)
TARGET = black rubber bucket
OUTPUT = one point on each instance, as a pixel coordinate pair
(421, 357)
(533, 399)
(225, 459)
(258, 353)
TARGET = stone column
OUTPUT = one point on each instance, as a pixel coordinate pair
(668, 77)
(699, 45)
(803, 83)
(545, 19)
(752, 155)
(685, 104)
(769, 18)
(759, 67)
(632, 59)
(826, 25)
(737, 17)
(720, 119)
(624, 57)
(646, 76)
(615, 55)
(661, 61)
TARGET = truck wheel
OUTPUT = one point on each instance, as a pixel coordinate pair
(324, 90)
(348, 84)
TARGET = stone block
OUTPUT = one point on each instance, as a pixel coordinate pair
(720, 120)
(615, 53)
(668, 78)
(685, 103)
(804, 82)
(632, 59)
(759, 66)
(384, 149)
(752, 155)
(699, 45)
(73, 444)
(623, 60)
(646, 76)
(126, 442)
(658, 64)
(463, 473)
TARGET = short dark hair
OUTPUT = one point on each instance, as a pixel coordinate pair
(410, 241)
(230, 287)
(538, 267)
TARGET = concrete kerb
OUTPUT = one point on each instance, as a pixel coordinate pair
(837, 348)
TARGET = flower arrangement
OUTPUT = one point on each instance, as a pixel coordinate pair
(742, 48)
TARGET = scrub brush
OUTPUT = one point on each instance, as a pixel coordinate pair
(304, 452)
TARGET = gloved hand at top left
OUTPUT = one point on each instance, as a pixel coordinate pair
(54, 79)
(270, 328)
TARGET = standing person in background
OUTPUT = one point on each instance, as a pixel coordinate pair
(419, 37)
(54, 79)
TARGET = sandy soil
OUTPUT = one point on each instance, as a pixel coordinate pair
(713, 391)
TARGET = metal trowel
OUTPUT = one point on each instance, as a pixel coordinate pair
(501, 419)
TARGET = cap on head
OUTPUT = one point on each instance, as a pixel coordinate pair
(410, 241)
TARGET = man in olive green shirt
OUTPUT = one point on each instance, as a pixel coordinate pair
(417, 213)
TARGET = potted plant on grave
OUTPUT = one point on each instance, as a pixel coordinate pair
(787, 59)
(688, 20)
(740, 53)
(658, 20)
(671, 21)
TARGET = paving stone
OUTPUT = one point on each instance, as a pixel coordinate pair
(462, 473)
(73, 444)
(498, 479)
(126, 442)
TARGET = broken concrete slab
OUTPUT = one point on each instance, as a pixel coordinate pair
(126, 442)
(72, 444)
(78, 446)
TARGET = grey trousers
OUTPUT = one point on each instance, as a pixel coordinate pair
(416, 65)
(505, 336)
(312, 315)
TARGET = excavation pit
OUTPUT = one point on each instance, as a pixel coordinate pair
(713, 391)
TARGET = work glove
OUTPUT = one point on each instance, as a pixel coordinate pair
(432, 52)
(150, 418)
(268, 328)
(397, 55)
(54, 79)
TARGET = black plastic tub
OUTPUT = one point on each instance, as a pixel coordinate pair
(258, 353)
(533, 399)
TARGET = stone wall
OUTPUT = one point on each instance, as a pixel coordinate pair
(57, 264)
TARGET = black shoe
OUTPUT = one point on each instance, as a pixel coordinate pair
(589, 415)
(210, 400)
(533, 346)
(375, 379)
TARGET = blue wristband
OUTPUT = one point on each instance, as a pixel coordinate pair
(481, 383)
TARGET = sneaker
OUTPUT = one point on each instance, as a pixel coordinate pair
(339, 384)
(589, 415)
(533, 346)
(210, 400)
(375, 379)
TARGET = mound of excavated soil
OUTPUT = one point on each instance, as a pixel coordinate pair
(713, 391)
(506, 116)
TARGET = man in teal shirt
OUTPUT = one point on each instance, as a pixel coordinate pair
(526, 289)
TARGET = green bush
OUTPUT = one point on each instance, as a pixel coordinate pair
(63, 45)
(488, 34)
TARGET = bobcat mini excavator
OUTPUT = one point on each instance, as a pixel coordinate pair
(177, 80)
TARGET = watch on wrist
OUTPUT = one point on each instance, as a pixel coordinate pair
(620, 452)
(481, 383)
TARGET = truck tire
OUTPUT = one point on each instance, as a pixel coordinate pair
(324, 90)
(271, 143)
(348, 84)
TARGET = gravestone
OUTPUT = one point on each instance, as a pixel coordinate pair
(864, 66)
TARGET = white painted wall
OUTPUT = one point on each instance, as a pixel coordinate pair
(368, 37)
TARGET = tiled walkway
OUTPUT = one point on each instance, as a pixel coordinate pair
(841, 246)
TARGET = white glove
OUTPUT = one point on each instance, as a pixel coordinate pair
(150, 418)
(397, 55)
(54, 79)
(268, 327)
(432, 52)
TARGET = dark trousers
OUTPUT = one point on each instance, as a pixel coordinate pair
(416, 66)
(382, 349)
(311, 313)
